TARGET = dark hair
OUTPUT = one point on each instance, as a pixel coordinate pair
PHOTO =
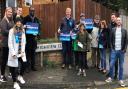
(114, 14)
(18, 19)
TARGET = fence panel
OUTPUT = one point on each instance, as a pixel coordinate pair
(51, 14)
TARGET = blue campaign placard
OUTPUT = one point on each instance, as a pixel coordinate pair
(65, 37)
(89, 24)
(32, 28)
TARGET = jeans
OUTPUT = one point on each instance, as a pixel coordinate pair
(115, 66)
(115, 55)
(103, 58)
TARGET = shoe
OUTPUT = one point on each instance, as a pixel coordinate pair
(3, 78)
(104, 71)
(79, 73)
(121, 82)
(70, 67)
(108, 80)
(34, 69)
(20, 78)
(63, 66)
(84, 73)
(16, 85)
(10, 75)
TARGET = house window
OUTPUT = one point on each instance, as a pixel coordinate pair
(28, 2)
(11, 3)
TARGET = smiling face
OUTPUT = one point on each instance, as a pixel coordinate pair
(19, 11)
(8, 12)
(113, 18)
(18, 23)
(118, 21)
(68, 12)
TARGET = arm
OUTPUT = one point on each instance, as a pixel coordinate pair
(125, 41)
(10, 43)
(4, 27)
(23, 42)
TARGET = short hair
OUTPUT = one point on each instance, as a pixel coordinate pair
(114, 14)
(8, 8)
(18, 7)
(31, 7)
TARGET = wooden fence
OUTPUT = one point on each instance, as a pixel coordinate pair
(51, 14)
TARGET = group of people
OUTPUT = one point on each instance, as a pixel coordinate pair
(98, 40)
(18, 48)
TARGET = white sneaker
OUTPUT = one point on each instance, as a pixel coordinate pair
(16, 85)
(20, 78)
(121, 82)
(84, 73)
(108, 80)
(80, 72)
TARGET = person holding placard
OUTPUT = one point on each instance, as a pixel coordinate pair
(32, 25)
(66, 27)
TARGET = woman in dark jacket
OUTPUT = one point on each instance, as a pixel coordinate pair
(102, 43)
(83, 46)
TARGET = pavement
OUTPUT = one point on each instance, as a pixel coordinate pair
(57, 78)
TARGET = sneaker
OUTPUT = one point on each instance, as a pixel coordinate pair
(63, 66)
(16, 85)
(3, 79)
(80, 72)
(20, 78)
(84, 73)
(70, 67)
(108, 80)
(121, 82)
(10, 75)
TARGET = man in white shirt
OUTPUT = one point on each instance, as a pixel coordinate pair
(118, 48)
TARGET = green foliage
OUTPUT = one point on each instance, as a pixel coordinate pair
(49, 64)
(115, 4)
(50, 40)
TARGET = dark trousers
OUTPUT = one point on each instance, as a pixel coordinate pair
(30, 54)
(82, 60)
(67, 53)
(76, 58)
(4, 59)
(15, 72)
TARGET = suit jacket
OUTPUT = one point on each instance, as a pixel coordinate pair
(123, 39)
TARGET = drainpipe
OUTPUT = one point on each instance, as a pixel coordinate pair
(74, 7)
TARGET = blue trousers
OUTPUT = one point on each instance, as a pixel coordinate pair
(117, 55)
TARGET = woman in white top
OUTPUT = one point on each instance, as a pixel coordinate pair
(16, 44)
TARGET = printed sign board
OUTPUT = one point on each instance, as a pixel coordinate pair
(32, 28)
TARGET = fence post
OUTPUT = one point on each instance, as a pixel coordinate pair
(74, 6)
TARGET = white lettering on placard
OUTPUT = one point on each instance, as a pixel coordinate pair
(49, 47)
